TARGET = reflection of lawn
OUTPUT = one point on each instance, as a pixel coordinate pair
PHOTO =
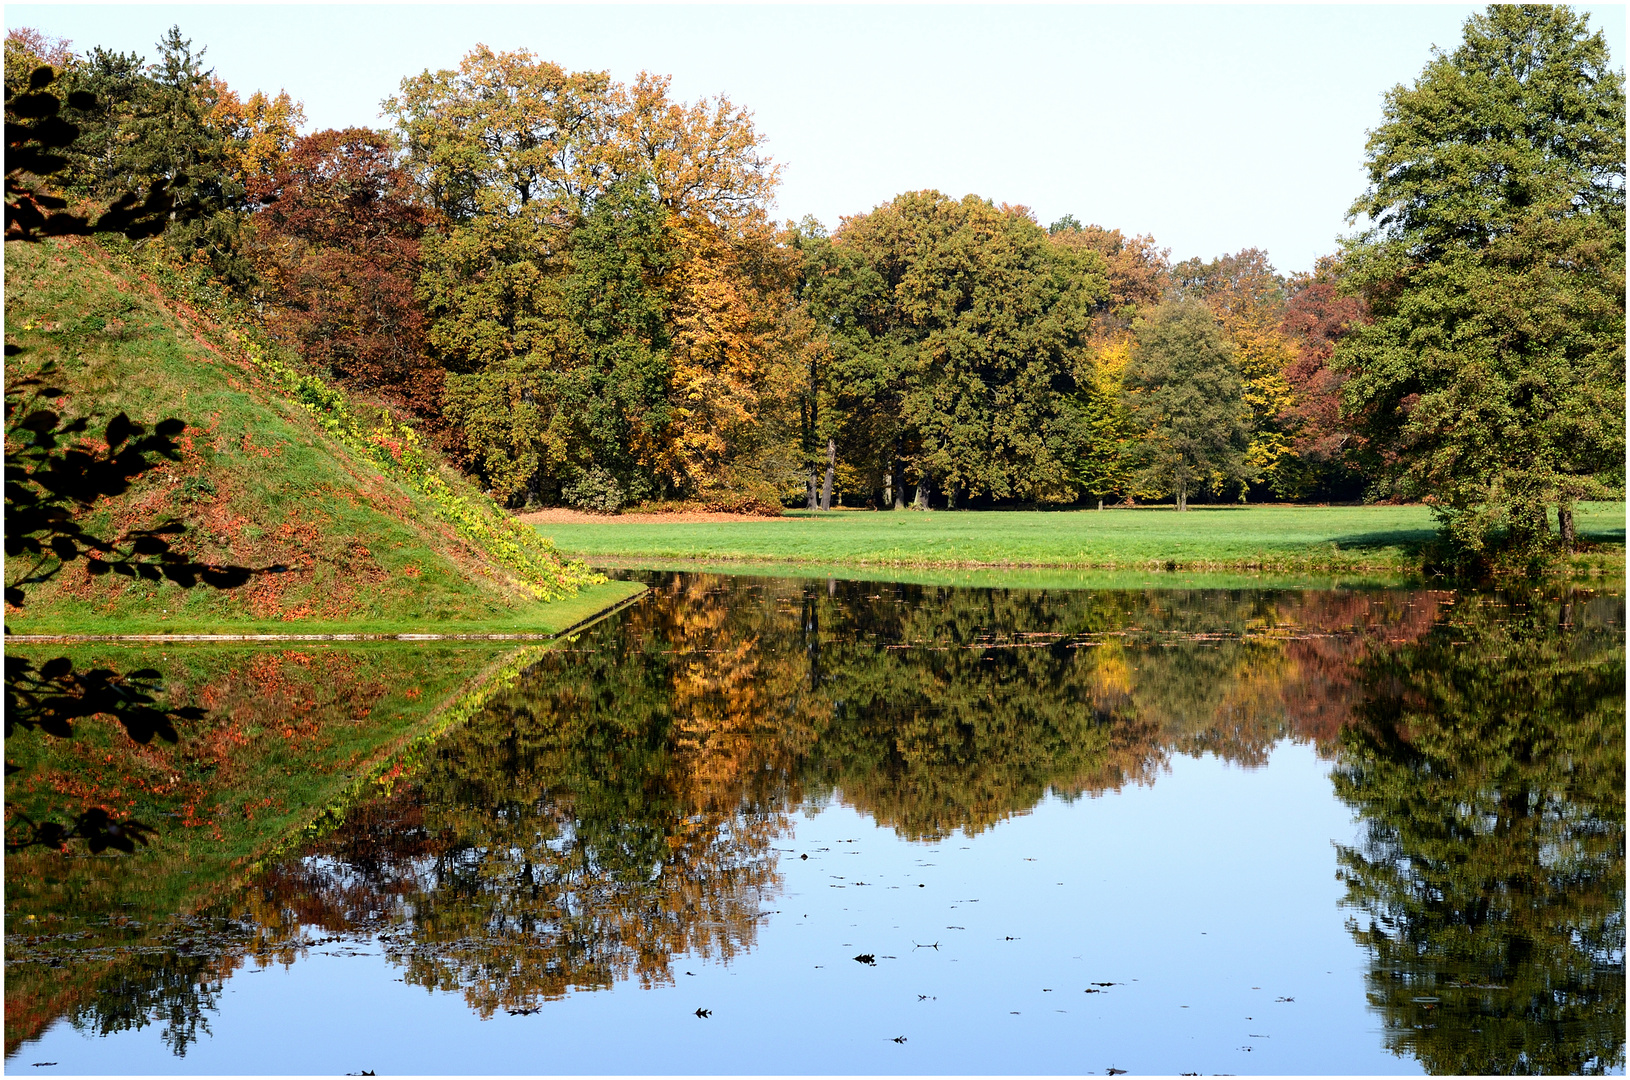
(529, 618)
(1289, 538)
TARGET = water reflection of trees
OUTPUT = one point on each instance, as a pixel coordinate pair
(619, 805)
(1487, 761)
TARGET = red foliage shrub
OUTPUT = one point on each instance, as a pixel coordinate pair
(342, 238)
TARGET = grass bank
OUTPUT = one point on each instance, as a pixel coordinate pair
(1316, 540)
(1016, 577)
(543, 617)
(355, 523)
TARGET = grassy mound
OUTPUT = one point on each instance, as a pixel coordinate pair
(367, 529)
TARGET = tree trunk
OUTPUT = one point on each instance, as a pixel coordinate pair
(888, 487)
(1564, 521)
(812, 417)
(950, 497)
(1100, 503)
(922, 493)
(831, 465)
(1182, 496)
(899, 485)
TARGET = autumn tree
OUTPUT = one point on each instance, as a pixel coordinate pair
(1247, 297)
(1136, 270)
(1328, 456)
(340, 235)
(518, 155)
(1491, 378)
(27, 50)
(1184, 391)
(259, 131)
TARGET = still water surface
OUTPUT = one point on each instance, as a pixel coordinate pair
(756, 825)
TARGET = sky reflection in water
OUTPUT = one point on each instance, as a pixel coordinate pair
(1293, 832)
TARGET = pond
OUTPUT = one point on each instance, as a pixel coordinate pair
(810, 826)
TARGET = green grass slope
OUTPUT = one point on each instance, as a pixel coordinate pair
(1295, 539)
(277, 469)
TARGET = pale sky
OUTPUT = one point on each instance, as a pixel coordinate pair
(1212, 127)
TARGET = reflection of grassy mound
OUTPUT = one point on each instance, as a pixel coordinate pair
(1292, 539)
(288, 732)
(276, 470)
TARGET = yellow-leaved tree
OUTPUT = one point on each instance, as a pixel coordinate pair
(1247, 298)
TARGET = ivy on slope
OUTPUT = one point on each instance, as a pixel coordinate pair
(395, 449)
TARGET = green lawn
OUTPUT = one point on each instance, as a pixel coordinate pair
(1301, 539)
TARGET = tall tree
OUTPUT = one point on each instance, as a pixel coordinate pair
(1492, 377)
(968, 318)
(519, 156)
(1184, 391)
(1247, 296)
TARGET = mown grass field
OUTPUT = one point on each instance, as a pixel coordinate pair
(1295, 539)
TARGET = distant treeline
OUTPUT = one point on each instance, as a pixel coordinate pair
(576, 287)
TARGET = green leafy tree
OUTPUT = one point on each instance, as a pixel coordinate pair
(610, 403)
(958, 332)
(1186, 398)
(162, 122)
(854, 370)
(1491, 378)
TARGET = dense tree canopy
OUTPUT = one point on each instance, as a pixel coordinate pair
(600, 241)
(1491, 376)
(575, 285)
(957, 333)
